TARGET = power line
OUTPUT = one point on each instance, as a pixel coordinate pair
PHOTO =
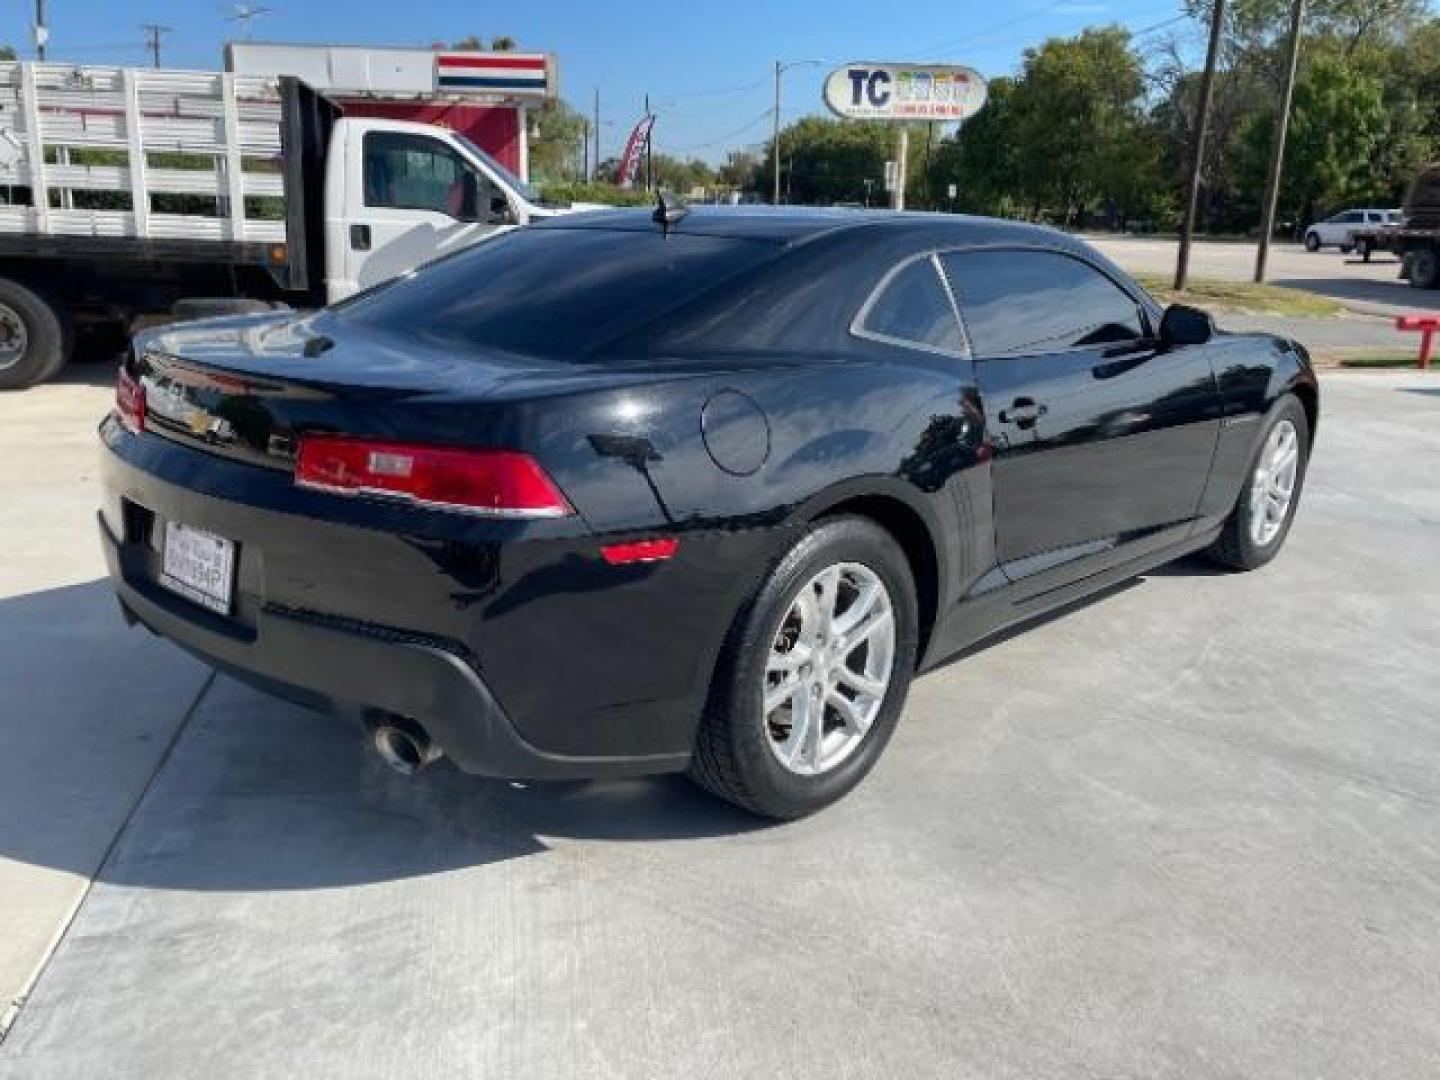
(1159, 26)
(729, 135)
(994, 36)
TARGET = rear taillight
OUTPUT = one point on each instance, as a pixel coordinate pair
(130, 401)
(502, 483)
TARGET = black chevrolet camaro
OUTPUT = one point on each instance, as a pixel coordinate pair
(623, 493)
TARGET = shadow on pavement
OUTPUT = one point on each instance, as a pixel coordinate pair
(1395, 293)
(257, 794)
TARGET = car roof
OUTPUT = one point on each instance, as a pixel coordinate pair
(794, 225)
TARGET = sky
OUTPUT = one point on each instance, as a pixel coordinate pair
(707, 66)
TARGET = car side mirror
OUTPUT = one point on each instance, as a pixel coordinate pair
(1182, 325)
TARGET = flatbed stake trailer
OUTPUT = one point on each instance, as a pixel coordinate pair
(134, 195)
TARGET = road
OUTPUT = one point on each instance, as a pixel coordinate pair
(1371, 293)
(1371, 288)
(1186, 830)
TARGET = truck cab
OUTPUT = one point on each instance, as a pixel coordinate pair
(400, 194)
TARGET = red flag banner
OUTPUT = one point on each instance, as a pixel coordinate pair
(630, 160)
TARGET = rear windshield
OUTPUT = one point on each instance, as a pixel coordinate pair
(554, 292)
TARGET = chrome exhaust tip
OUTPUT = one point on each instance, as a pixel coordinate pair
(404, 746)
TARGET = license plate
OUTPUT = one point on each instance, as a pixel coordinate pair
(199, 565)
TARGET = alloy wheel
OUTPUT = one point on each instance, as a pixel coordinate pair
(1272, 488)
(829, 668)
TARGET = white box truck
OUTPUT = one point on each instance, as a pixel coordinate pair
(130, 195)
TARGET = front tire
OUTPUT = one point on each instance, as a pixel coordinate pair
(1312, 242)
(814, 674)
(1256, 529)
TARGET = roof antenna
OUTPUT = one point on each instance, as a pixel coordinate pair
(669, 210)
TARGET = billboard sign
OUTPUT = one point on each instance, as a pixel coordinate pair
(873, 91)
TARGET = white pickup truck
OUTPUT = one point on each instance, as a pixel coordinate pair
(130, 195)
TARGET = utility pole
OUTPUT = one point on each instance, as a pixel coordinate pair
(1202, 126)
(897, 197)
(1277, 152)
(152, 35)
(42, 32)
(775, 135)
(591, 175)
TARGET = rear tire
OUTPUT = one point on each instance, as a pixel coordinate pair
(1425, 268)
(1254, 532)
(1312, 242)
(760, 759)
(34, 344)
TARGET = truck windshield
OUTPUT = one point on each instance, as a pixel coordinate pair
(508, 177)
(561, 293)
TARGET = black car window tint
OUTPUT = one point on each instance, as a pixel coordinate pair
(913, 307)
(1023, 302)
(554, 291)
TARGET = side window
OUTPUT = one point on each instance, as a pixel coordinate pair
(1351, 217)
(1018, 303)
(416, 172)
(913, 308)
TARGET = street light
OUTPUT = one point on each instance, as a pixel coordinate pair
(780, 68)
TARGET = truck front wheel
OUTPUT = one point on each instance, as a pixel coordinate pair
(33, 342)
(1425, 268)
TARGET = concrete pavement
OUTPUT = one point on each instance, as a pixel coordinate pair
(86, 709)
(1187, 830)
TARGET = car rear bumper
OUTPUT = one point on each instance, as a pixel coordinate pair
(320, 659)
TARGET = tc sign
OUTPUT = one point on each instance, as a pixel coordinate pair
(866, 91)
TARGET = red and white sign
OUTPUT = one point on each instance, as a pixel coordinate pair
(510, 74)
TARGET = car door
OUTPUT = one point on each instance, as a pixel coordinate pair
(1340, 227)
(416, 199)
(1102, 438)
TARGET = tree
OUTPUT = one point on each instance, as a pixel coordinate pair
(980, 159)
(1076, 116)
(824, 161)
(475, 43)
(1336, 124)
(557, 150)
(741, 171)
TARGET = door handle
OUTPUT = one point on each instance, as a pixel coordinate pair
(1023, 412)
(360, 237)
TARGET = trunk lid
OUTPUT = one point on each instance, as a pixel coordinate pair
(245, 388)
